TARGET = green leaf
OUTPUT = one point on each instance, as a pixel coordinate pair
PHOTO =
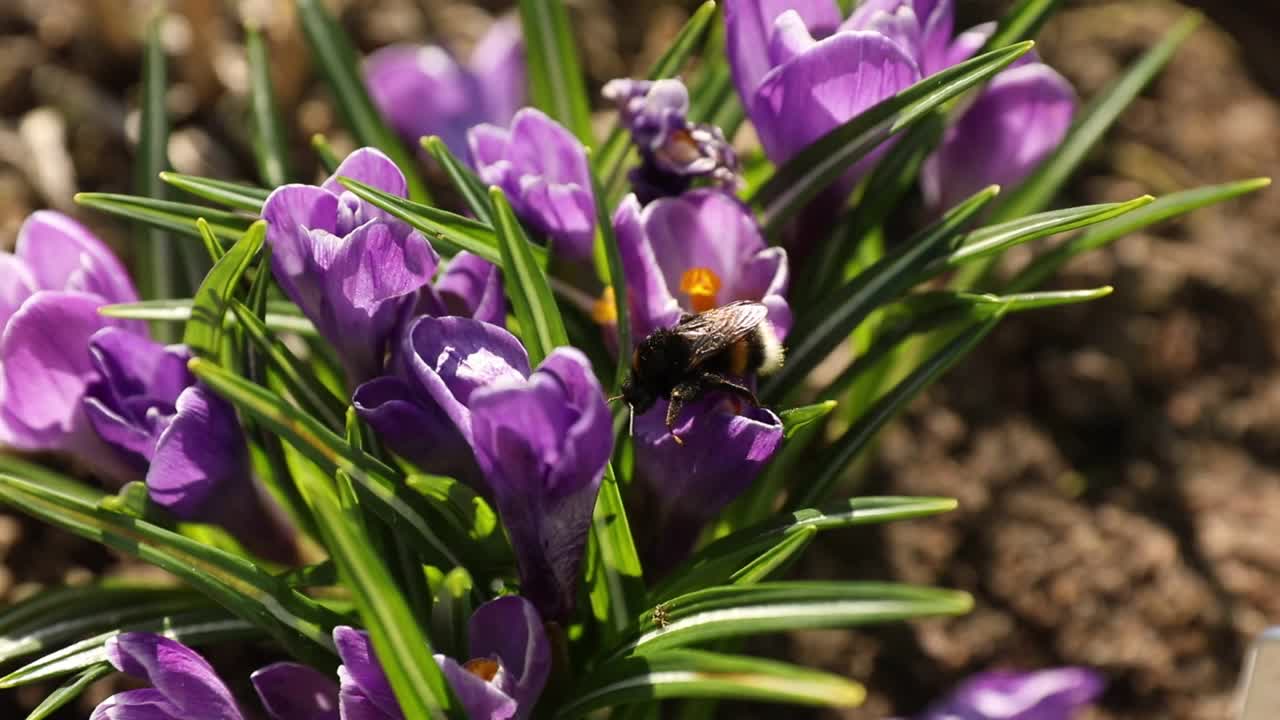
(340, 67)
(452, 612)
(473, 190)
(70, 690)
(204, 330)
(167, 215)
(614, 577)
(393, 501)
(541, 327)
(193, 628)
(231, 194)
(453, 232)
(775, 559)
(617, 280)
(995, 239)
(1022, 22)
(813, 169)
(1037, 191)
(829, 324)
(233, 582)
(284, 318)
(404, 652)
(54, 618)
(797, 418)
(324, 153)
(612, 155)
(716, 563)
(856, 438)
(270, 141)
(1170, 206)
(158, 263)
(673, 674)
(740, 610)
(556, 82)
(311, 394)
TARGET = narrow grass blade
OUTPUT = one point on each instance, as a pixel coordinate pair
(233, 582)
(284, 317)
(674, 674)
(614, 578)
(194, 629)
(775, 559)
(158, 266)
(817, 166)
(203, 332)
(270, 142)
(230, 194)
(338, 64)
(617, 281)
(70, 690)
(830, 323)
(473, 190)
(324, 153)
(541, 327)
(1037, 191)
(556, 83)
(742, 610)
(856, 438)
(1170, 206)
(797, 418)
(1022, 22)
(167, 215)
(452, 232)
(716, 563)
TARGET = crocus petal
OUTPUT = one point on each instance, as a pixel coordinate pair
(651, 303)
(63, 255)
(355, 704)
(16, 285)
(180, 675)
(472, 287)
(499, 67)
(361, 670)
(790, 38)
(749, 25)
(895, 19)
(1014, 124)
(542, 146)
(45, 368)
(291, 691)
(488, 147)
(1002, 695)
(968, 43)
(541, 446)
(418, 429)
(404, 79)
(144, 704)
(724, 449)
(481, 699)
(835, 80)
(566, 213)
(292, 213)
(511, 629)
(371, 167)
(453, 357)
(766, 277)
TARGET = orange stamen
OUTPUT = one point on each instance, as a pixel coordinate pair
(483, 668)
(605, 309)
(701, 285)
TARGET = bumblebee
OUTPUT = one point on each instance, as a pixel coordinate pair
(708, 351)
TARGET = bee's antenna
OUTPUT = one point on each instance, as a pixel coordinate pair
(613, 399)
(631, 424)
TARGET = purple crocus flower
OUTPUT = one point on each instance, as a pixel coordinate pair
(687, 255)
(50, 290)
(509, 665)
(1056, 694)
(186, 687)
(543, 170)
(186, 440)
(354, 270)
(470, 286)
(674, 151)
(424, 90)
(535, 443)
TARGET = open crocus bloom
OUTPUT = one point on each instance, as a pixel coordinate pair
(354, 270)
(423, 90)
(463, 402)
(1057, 694)
(509, 665)
(50, 290)
(542, 168)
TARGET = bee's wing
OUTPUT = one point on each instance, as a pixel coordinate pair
(714, 330)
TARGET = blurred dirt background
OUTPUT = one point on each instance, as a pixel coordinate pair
(1118, 463)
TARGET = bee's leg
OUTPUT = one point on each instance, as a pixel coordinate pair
(680, 394)
(719, 382)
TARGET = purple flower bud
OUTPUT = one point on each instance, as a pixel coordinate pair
(185, 685)
(354, 270)
(509, 665)
(1056, 694)
(423, 90)
(674, 150)
(290, 691)
(470, 286)
(50, 292)
(542, 168)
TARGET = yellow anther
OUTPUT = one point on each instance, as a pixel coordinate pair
(483, 668)
(605, 310)
(701, 285)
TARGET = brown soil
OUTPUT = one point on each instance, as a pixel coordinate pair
(1118, 464)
